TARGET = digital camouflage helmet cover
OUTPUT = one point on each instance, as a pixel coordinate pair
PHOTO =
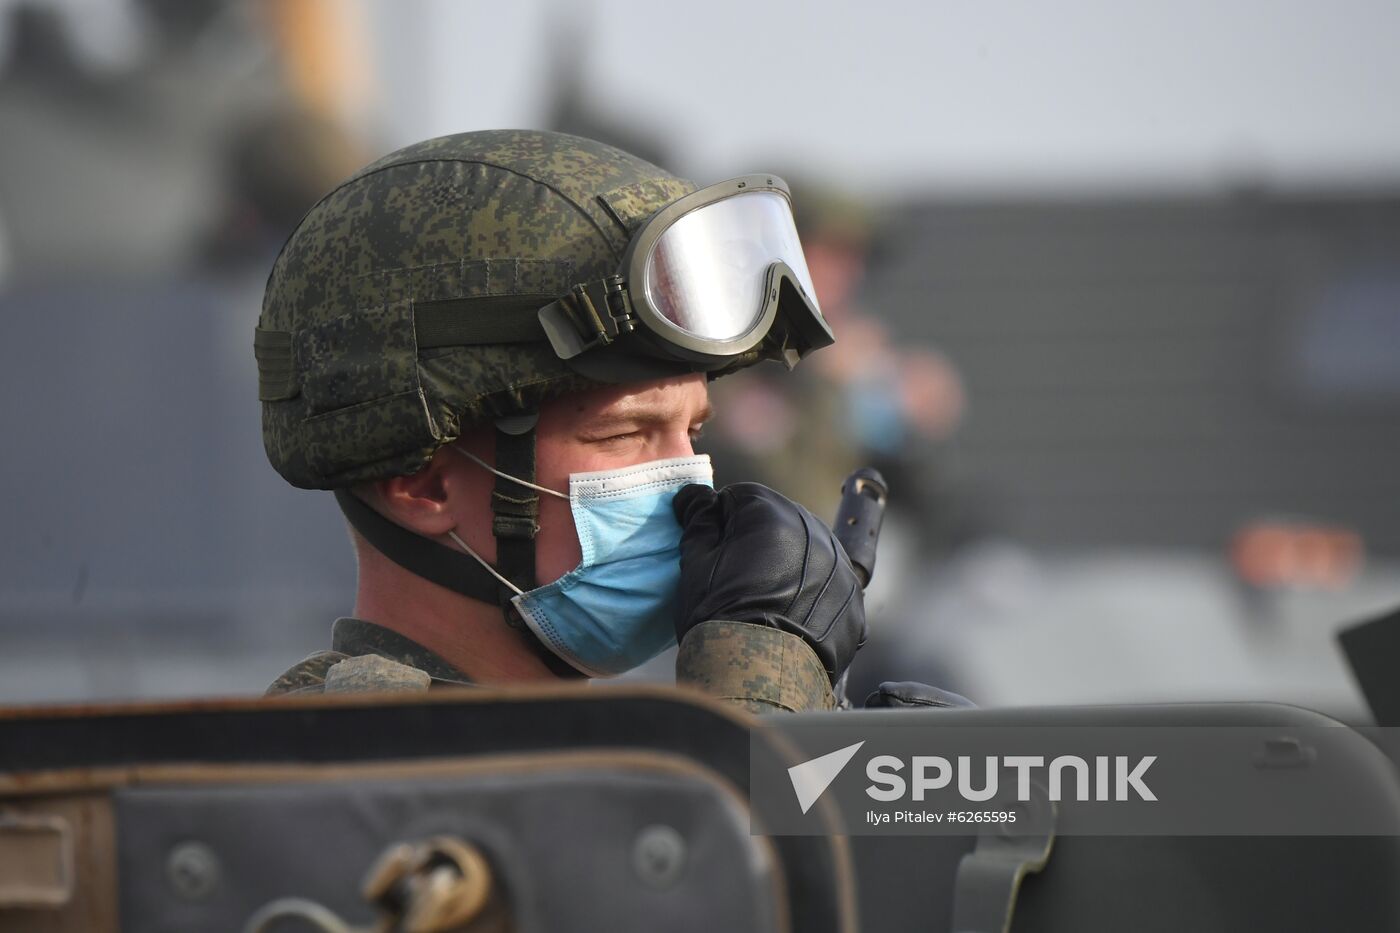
(376, 347)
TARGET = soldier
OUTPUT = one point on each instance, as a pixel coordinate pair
(494, 347)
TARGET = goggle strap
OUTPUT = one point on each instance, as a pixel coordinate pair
(592, 314)
(478, 321)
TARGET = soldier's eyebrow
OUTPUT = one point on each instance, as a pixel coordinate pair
(642, 415)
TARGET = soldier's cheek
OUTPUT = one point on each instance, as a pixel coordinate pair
(557, 549)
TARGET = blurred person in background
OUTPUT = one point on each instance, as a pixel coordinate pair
(868, 400)
(204, 119)
(276, 163)
(155, 156)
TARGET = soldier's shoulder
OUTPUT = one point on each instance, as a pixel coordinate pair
(337, 672)
(306, 676)
(367, 657)
(754, 667)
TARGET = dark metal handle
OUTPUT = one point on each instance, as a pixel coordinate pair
(858, 519)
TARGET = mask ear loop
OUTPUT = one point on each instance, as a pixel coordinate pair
(482, 561)
(515, 522)
(515, 505)
(514, 479)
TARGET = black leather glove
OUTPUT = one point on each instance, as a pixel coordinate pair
(749, 554)
(909, 694)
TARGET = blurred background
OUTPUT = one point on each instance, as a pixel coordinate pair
(1116, 289)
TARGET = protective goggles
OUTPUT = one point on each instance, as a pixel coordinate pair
(713, 279)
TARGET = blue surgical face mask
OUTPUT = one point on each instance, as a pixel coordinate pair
(617, 608)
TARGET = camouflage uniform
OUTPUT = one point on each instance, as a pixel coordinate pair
(400, 312)
(353, 638)
(755, 668)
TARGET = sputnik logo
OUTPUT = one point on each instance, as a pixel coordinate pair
(811, 778)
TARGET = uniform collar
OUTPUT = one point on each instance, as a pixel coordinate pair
(356, 637)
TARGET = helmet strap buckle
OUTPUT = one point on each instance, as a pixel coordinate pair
(592, 314)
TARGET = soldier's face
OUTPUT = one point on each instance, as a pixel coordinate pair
(602, 429)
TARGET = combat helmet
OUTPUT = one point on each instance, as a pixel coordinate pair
(466, 279)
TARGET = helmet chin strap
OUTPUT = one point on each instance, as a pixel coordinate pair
(515, 505)
(515, 509)
(515, 522)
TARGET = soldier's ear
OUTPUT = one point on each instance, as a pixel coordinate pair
(424, 502)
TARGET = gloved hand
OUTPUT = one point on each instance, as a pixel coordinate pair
(909, 694)
(749, 554)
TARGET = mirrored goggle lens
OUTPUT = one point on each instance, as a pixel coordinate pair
(706, 273)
